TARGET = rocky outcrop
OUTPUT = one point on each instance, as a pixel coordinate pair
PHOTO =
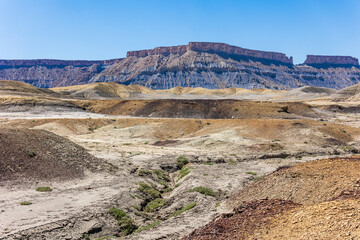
(315, 60)
(219, 48)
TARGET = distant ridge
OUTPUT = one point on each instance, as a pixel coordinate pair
(198, 64)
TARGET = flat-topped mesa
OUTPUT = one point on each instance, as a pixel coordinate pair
(53, 62)
(219, 48)
(318, 60)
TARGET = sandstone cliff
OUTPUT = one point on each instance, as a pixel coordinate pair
(218, 48)
(331, 60)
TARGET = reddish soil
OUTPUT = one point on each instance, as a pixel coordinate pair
(243, 221)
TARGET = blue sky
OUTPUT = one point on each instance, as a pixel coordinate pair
(105, 29)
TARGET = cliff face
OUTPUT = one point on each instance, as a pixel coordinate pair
(331, 60)
(219, 48)
(52, 73)
(211, 70)
(198, 64)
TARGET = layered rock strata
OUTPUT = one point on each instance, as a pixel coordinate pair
(218, 48)
(331, 60)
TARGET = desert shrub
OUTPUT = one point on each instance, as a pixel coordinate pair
(161, 175)
(146, 227)
(157, 203)
(44, 189)
(181, 161)
(143, 172)
(149, 190)
(126, 223)
(250, 173)
(183, 172)
(31, 154)
(26, 203)
(184, 209)
(203, 190)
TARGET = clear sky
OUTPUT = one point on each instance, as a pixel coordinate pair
(105, 29)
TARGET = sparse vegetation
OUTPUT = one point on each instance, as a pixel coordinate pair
(184, 209)
(203, 190)
(181, 161)
(257, 179)
(162, 175)
(251, 173)
(26, 203)
(146, 227)
(144, 172)
(148, 190)
(31, 154)
(157, 203)
(127, 144)
(44, 189)
(208, 163)
(232, 162)
(127, 224)
(183, 172)
(235, 109)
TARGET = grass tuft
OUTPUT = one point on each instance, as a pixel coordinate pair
(183, 172)
(146, 227)
(149, 191)
(26, 203)
(184, 209)
(181, 161)
(44, 189)
(203, 190)
(126, 223)
(157, 203)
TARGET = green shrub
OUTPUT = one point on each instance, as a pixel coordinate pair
(26, 203)
(161, 175)
(184, 209)
(232, 162)
(44, 189)
(143, 172)
(149, 190)
(251, 173)
(183, 172)
(157, 203)
(31, 154)
(146, 227)
(181, 161)
(126, 223)
(203, 190)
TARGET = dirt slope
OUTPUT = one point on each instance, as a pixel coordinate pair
(208, 109)
(313, 200)
(37, 154)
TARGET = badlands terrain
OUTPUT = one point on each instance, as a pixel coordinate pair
(109, 161)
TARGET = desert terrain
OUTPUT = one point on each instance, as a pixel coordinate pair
(109, 161)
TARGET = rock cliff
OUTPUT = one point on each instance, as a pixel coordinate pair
(331, 60)
(198, 64)
(218, 48)
(52, 73)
